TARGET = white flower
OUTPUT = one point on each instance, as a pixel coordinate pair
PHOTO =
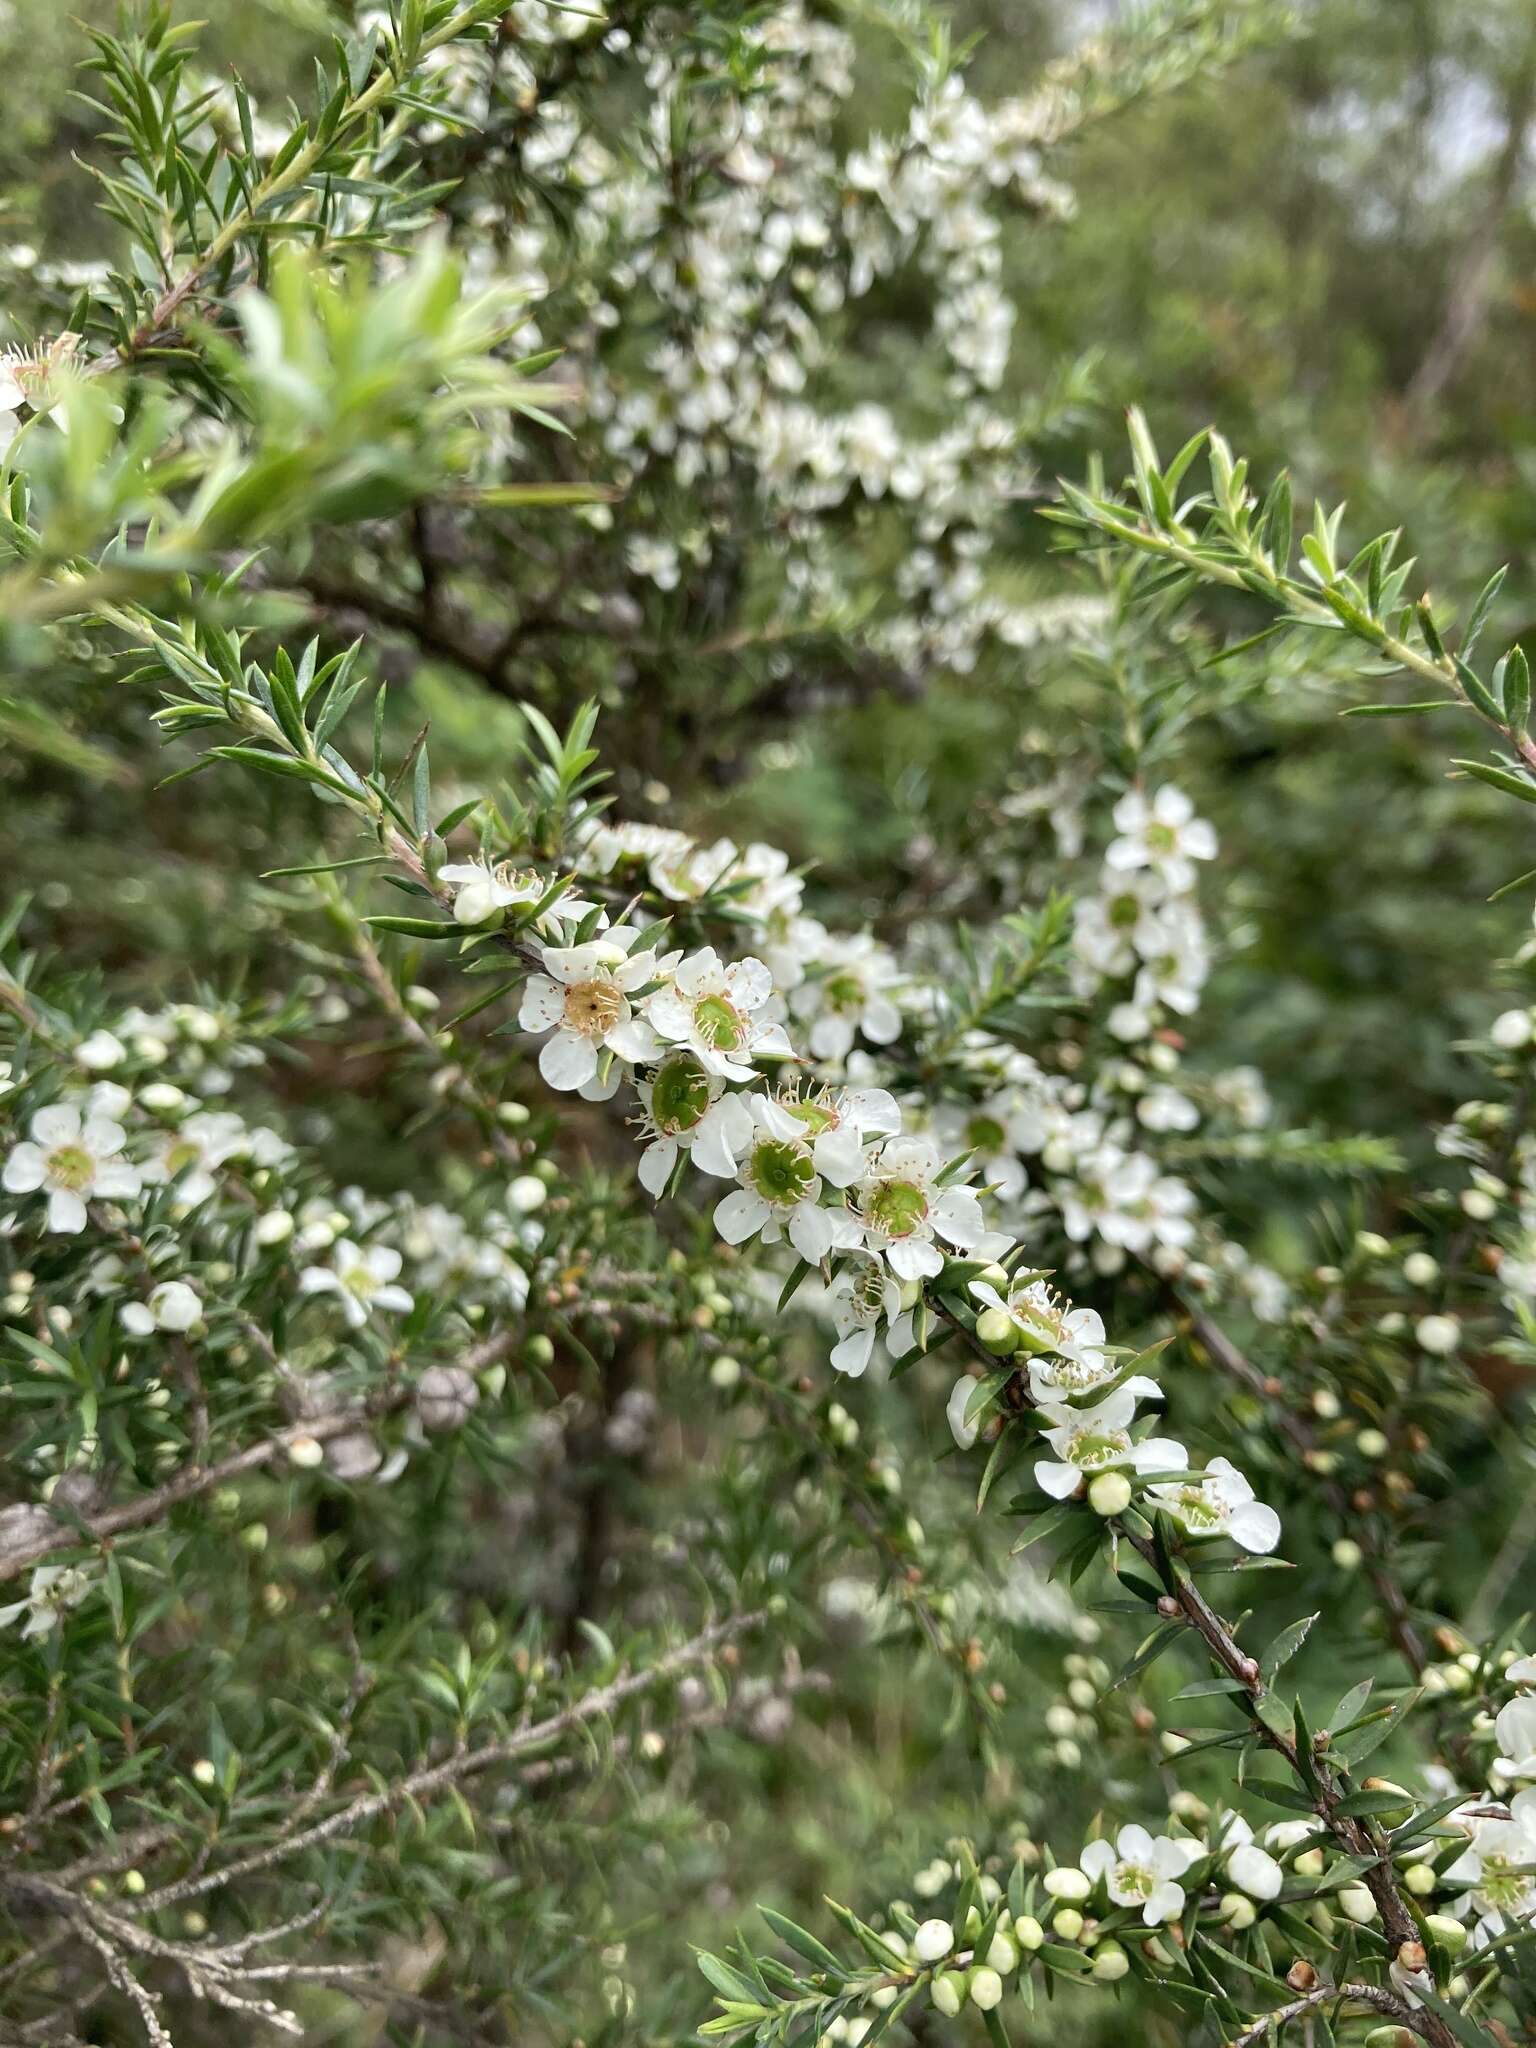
(1098, 1439)
(1065, 1345)
(853, 996)
(657, 559)
(1143, 1870)
(722, 1013)
(483, 886)
(1221, 1503)
(52, 1588)
(780, 1195)
(903, 1208)
(101, 1052)
(72, 1159)
(362, 1278)
(1495, 1865)
(172, 1306)
(1515, 1728)
(862, 1296)
(192, 1154)
(836, 1122)
(1162, 833)
(583, 1001)
(686, 1109)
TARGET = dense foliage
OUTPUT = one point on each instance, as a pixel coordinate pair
(746, 1161)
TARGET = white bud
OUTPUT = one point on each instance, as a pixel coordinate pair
(1067, 1882)
(932, 1941)
(1510, 1030)
(1109, 1493)
(273, 1226)
(527, 1193)
(1420, 1270)
(1438, 1335)
(986, 1989)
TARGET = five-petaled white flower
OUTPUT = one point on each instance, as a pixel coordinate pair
(51, 1589)
(780, 1196)
(687, 1110)
(837, 1123)
(862, 1296)
(1160, 832)
(903, 1209)
(582, 999)
(72, 1158)
(722, 1013)
(1142, 1869)
(362, 1278)
(1221, 1503)
(485, 885)
(1496, 1867)
(1091, 1440)
(852, 996)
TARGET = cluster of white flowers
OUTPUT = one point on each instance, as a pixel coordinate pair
(733, 259)
(824, 1156)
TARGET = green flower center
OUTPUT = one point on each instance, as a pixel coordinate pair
(844, 992)
(1134, 1877)
(1092, 1449)
(72, 1167)
(897, 1207)
(985, 1134)
(1196, 1510)
(814, 1115)
(719, 1023)
(359, 1281)
(781, 1172)
(1123, 912)
(182, 1154)
(1502, 1884)
(679, 1095)
(1162, 838)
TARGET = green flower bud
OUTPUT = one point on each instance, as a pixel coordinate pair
(1110, 1962)
(948, 1994)
(997, 1331)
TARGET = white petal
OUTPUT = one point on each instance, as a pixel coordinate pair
(839, 1156)
(852, 1355)
(66, 1211)
(1255, 1527)
(915, 1258)
(1059, 1481)
(56, 1124)
(24, 1170)
(120, 1182)
(712, 1150)
(567, 1059)
(810, 1232)
(543, 1004)
(881, 1020)
(740, 1215)
(656, 1164)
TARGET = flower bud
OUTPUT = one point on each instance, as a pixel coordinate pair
(1109, 1493)
(948, 1993)
(1238, 1912)
(1068, 1923)
(996, 1329)
(1438, 1335)
(1028, 1933)
(986, 1989)
(1357, 1904)
(932, 1941)
(1067, 1883)
(1347, 1554)
(1450, 1934)
(1420, 1879)
(1110, 1962)
(1002, 1956)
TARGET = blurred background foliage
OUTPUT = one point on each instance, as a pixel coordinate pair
(1331, 252)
